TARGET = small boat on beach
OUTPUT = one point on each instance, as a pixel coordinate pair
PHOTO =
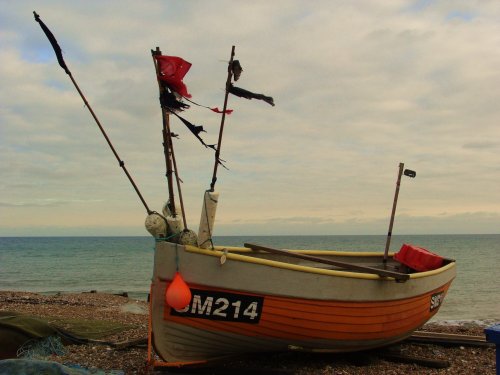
(255, 298)
(249, 300)
(209, 302)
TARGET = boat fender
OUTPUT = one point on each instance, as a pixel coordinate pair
(178, 294)
(188, 237)
(207, 219)
(418, 258)
(156, 225)
(166, 210)
(175, 224)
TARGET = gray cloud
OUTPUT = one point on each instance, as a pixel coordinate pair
(359, 87)
(484, 145)
(46, 203)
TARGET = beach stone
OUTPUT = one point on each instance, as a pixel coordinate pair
(134, 308)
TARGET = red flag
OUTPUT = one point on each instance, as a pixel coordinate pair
(217, 110)
(172, 70)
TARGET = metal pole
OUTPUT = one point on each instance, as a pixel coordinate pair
(396, 194)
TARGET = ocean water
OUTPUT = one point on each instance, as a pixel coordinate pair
(125, 264)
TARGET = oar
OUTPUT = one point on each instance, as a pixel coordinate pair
(349, 266)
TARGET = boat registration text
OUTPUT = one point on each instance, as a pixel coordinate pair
(436, 300)
(232, 307)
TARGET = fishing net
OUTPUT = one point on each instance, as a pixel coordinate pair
(41, 348)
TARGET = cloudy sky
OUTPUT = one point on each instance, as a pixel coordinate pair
(359, 87)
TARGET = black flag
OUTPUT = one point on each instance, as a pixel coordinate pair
(195, 129)
(242, 93)
(54, 43)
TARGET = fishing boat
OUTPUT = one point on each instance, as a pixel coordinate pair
(209, 302)
(249, 300)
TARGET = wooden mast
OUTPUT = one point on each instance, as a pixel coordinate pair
(167, 138)
(63, 65)
(221, 130)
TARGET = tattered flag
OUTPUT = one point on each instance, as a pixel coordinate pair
(171, 70)
(242, 93)
(195, 129)
(236, 69)
(169, 101)
(217, 110)
(53, 42)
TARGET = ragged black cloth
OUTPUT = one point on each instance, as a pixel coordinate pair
(169, 101)
(53, 42)
(196, 130)
(242, 93)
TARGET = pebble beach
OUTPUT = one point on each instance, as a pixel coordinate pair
(123, 348)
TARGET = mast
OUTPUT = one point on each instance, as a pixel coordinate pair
(167, 138)
(409, 173)
(62, 64)
(221, 129)
(210, 197)
(178, 182)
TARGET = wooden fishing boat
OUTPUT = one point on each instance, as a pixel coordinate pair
(230, 301)
(249, 300)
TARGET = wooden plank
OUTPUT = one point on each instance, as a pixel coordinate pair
(448, 339)
(404, 358)
(348, 266)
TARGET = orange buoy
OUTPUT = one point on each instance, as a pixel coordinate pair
(178, 294)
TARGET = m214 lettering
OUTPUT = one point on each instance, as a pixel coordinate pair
(231, 307)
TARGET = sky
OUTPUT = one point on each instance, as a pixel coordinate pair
(359, 87)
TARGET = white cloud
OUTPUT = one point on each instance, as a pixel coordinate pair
(358, 88)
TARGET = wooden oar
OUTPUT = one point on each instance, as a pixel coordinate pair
(349, 266)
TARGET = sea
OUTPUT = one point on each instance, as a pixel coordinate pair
(50, 265)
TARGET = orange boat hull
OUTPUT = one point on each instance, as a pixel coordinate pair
(354, 324)
(229, 321)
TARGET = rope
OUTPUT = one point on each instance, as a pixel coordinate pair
(162, 239)
(176, 258)
(215, 109)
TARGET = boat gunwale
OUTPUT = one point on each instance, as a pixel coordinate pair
(220, 251)
(309, 251)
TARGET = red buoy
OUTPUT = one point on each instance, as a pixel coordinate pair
(178, 294)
